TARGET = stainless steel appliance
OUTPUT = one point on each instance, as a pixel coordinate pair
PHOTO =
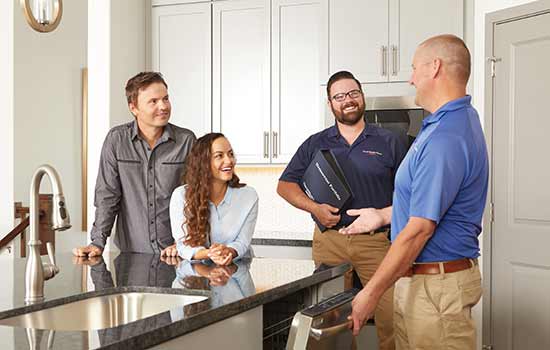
(325, 325)
(397, 113)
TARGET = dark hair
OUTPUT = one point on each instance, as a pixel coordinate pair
(198, 177)
(139, 82)
(343, 74)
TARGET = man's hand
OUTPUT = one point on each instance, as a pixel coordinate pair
(326, 214)
(362, 309)
(171, 260)
(89, 251)
(170, 251)
(369, 220)
(87, 261)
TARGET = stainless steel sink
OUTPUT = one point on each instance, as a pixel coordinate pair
(105, 311)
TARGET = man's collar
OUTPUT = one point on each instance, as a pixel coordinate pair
(369, 129)
(453, 105)
(167, 133)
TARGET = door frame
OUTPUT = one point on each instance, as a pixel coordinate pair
(493, 19)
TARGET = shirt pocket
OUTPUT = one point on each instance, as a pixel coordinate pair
(128, 169)
(172, 171)
(377, 163)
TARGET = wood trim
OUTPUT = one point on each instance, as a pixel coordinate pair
(14, 233)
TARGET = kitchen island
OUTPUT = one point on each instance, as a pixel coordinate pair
(245, 300)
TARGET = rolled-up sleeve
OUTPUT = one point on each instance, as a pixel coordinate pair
(177, 218)
(242, 243)
(107, 194)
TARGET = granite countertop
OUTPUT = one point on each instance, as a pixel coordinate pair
(244, 285)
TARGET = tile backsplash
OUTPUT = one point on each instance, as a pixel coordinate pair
(276, 218)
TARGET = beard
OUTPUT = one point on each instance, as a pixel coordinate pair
(352, 117)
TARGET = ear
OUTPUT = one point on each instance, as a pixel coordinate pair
(133, 108)
(436, 67)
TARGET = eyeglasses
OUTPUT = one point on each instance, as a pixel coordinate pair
(342, 96)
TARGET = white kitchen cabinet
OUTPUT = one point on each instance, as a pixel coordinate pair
(376, 39)
(358, 38)
(299, 61)
(241, 76)
(412, 22)
(181, 46)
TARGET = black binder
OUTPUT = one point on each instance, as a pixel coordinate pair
(324, 182)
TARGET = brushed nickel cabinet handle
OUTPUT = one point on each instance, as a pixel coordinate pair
(266, 144)
(275, 144)
(383, 60)
(394, 59)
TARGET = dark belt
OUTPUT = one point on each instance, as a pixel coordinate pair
(378, 230)
(443, 267)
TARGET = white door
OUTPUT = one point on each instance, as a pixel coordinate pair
(358, 38)
(181, 50)
(520, 266)
(241, 77)
(412, 22)
(297, 66)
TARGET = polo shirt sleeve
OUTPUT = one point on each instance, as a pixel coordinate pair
(297, 166)
(437, 177)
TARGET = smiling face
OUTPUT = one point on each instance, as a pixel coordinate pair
(153, 106)
(222, 161)
(351, 110)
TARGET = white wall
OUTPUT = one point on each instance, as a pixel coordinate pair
(47, 108)
(116, 52)
(6, 113)
(6, 156)
(481, 9)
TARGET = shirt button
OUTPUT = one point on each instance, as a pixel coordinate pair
(150, 167)
(152, 222)
(153, 241)
(150, 186)
(151, 204)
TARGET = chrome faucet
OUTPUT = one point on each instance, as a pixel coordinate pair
(36, 271)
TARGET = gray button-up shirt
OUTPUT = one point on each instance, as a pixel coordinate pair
(134, 185)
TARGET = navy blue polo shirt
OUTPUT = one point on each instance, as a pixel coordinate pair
(444, 178)
(369, 165)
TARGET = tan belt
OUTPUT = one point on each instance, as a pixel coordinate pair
(441, 267)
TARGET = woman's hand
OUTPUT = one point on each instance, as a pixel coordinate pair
(220, 254)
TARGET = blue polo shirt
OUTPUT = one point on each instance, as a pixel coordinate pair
(444, 178)
(369, 164)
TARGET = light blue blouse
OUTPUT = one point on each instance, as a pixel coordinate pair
(232, 222)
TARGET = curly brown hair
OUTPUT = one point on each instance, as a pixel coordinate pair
(198, 177)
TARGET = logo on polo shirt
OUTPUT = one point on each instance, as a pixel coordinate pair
(372, 153)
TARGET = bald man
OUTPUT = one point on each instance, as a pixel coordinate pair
(438, 202)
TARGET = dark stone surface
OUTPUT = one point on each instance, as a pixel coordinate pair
(247, 284)
(282, 242)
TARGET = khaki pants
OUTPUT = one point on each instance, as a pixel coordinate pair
(434, 311)
(365, 253)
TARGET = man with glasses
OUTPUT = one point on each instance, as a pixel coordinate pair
(369, 157)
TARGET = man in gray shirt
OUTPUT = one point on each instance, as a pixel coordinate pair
(141, 164)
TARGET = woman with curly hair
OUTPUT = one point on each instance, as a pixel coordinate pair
(213, 215)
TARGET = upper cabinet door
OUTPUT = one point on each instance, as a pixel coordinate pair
(241, 77)
(181, 45)
(412, 22)
(299, 60)
(358, 38)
